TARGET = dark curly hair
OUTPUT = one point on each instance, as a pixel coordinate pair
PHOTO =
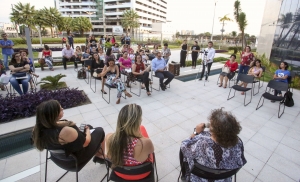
(224, 127)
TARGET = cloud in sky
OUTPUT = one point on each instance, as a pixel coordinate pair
(194, 15)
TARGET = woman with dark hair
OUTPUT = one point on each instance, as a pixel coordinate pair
(130, 144)
(125, 67)
(19, 70)
(97, 66)
(78, 56)
(183, 53)
(24, 57)
(109, 55)
(124, 48)
(113, 40)
(47, 57)
(52, 133)
(140, 71)
(195, 52)
(112, 72)
(115, 48)
(155, 49)
(166, 52)
(232, 65)
(255, 71)
(219, 148)
(246, 58)
(281, 75)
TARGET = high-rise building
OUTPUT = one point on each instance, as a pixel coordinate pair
(149, 11)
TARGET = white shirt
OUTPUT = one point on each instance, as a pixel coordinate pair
(68, 53)
(210, 55)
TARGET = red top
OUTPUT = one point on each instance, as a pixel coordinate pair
(233, 66)
(46, 53)
(125, 62)
(246, 60)
(113, 41)
(139, 67)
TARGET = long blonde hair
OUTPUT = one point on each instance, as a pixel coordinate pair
(128, 127)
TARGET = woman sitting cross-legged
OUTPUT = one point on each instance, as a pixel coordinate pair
(97, 66)
(52, 133)
(130, 144)
(19, 71)
(140, 71)
(232, 65)
(112, 72)
(125, 67)
(219, 148)
(255, 70)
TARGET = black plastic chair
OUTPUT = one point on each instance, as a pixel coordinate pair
(267, 95)
(260, 81)
(291, 80)
(247, 79)
(95, 83)
(86, 64)
(153, 75)
(133, 170)
(109, 88)
(68, 163)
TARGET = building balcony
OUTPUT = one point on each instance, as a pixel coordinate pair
(75, 4)
(141, 7)
(121, 5)
(116, 13)
(151, 5)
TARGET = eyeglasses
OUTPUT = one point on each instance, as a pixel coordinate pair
(17, 56)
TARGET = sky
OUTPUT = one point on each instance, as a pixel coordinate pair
(194, 15)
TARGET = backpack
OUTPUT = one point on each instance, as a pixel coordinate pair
(81, 74)
(288, 101)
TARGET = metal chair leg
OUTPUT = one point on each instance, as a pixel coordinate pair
(108, 96)
(229, 94)
(279, 115)
(257, 107)
(245, 99)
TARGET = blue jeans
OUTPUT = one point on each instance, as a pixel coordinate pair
(242, 70)
(5, 61)
(15, 83)
(167, 60)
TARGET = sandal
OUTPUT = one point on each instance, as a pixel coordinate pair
(221, 85)
(118, 101)
(242, 93)
(103, 92)
(128, 94)
(148, 93)
(225, 86)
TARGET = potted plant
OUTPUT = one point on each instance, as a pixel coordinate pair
(52, 82)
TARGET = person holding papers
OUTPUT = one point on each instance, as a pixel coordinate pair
(159, 66)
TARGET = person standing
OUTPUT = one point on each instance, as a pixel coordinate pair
(122, 39)
(68, 55)
(246, 58)
(159, 66)
(210, 54)
(127, 39)
(166, 53)
(183, 53)
(195, 52)
(7, 49)
(71, 40)
(113, 40)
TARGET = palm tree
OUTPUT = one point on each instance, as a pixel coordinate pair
(23, 14)
(82, 24)
(242, 25)
(285, 20)
(66, 24)
(234, 34)
(130, 20)
(52, 18)
(222, 20)
(52, 82)
(295, 28)
(237, 10)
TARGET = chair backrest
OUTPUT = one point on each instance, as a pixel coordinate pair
(88, 62)
(133, 170)
(246, 78)
(212, 174)
(282, 86)
(60, 155)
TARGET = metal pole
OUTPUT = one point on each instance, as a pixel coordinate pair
(28, 42)
(104, 24)
(212, 30)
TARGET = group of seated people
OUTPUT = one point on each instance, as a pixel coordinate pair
(130, 145)
(255, 70)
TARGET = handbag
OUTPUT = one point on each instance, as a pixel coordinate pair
(226, 69)
(4, 79)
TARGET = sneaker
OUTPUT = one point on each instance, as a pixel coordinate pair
(200, 79)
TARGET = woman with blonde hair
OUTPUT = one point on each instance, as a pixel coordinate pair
(130, 144)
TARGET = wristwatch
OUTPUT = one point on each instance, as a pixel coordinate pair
(195, 132)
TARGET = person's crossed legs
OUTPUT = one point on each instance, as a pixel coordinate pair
(162, 76)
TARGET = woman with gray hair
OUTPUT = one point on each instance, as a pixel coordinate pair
(219, 148)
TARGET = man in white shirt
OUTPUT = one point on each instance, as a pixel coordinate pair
(68, 55)
(210, 52)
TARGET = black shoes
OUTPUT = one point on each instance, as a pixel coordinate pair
(98, 160)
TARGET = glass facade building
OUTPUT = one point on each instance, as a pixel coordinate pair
(280, 32)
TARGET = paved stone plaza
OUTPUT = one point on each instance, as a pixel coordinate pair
(272, 145)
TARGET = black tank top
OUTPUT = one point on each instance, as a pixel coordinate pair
(184, 47)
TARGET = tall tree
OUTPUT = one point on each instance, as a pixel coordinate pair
(242, 26)
(82, 24)
(23, 14)
(237, 10)
(130, 20)
(52, 18)
(66, 24)
(223, 20)
(284, 20)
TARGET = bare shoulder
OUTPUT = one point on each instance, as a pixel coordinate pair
(68, 134)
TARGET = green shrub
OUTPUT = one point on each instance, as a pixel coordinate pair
(234, 49)
(220, 59)
(45, 40)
